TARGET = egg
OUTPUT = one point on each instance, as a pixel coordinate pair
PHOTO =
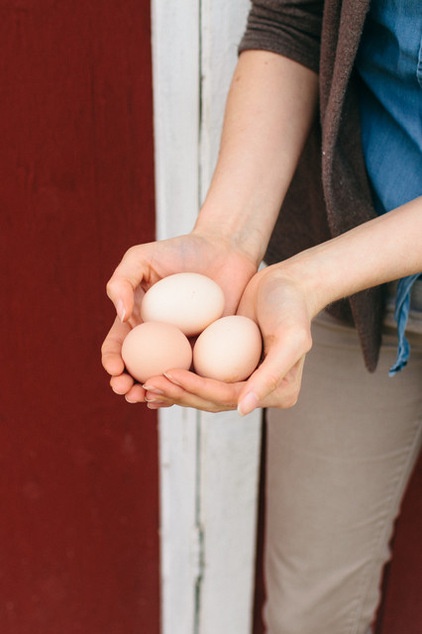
(151, 348)
(228, 350)
(190, 301)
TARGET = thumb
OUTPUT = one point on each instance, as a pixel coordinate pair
(121, 293)
(278, 375)
(125, 281)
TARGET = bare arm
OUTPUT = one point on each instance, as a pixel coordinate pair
(384, 249)
(270, 108)
(269, 111)
(285, 297)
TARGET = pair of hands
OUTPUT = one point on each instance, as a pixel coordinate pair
(271, 297)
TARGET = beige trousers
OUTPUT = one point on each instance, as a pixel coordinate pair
(337, 466)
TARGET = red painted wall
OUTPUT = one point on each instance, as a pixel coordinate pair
(78, 487)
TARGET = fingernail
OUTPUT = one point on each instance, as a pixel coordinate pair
(153, 400)
(121, 310)
(170, 378)
(248, 403)
(117, 391)
(154, 404)
(151, 388)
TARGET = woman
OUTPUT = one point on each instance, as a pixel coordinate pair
(323, 121)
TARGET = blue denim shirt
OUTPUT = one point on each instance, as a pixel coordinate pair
(389, 63)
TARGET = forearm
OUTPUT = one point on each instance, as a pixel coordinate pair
(384, 249)
(270, 108)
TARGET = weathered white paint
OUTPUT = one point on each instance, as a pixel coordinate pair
(222, 26)
(229, 445)
(228, 486)
(208, 462)
(176, 63)
(176, 91)
(180, 538)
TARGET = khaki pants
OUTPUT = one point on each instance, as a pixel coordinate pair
(337, 466)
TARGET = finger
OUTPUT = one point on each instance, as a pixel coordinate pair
(111, 357)
(287, 393)
(159, 405)
(190, 390)
(121, 384)
(136, 394)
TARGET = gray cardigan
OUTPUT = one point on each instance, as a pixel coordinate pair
(330, 192)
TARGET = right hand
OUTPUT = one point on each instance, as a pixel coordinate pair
(144, 265)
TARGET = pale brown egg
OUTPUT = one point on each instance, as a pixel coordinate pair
(190, 301)
(152, 348)
(228, 350)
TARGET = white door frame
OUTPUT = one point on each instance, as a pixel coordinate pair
(208, 462)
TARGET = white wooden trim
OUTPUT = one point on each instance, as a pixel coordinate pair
(175, 49)
(176, 92)
(228, 486)
(208, 462)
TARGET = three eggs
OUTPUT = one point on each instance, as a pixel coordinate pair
(183, 327)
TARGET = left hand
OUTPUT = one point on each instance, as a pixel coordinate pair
(145, 264)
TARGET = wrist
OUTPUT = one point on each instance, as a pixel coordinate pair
(316, 278)
(234, 230)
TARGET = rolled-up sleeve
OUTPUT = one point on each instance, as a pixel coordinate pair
(289, 28)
